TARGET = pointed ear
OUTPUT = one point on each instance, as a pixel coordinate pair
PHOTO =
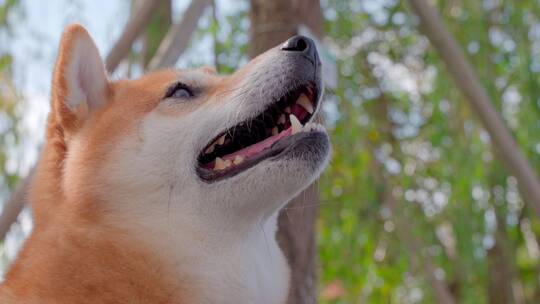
(80, 84)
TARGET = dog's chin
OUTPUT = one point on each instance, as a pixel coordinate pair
(300, 163)
(309, 150)
(275, 180)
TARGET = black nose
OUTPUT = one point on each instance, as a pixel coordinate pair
(303, 45)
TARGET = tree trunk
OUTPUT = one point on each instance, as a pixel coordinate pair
(501, 268)
(273, 22)
(499, 275)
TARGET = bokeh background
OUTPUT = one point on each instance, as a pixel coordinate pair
(415, 206)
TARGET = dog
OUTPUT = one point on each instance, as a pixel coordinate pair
(167, 188)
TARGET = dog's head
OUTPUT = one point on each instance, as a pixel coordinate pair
(216, 149)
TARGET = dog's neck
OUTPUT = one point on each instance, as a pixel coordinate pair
(248, 269)
(230, 263)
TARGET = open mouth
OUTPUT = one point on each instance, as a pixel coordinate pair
(264, 136)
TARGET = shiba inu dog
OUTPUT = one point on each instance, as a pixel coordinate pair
(166, 189)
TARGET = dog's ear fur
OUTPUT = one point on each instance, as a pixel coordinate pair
(80, 84)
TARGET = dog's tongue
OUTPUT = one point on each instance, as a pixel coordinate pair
(255, 149)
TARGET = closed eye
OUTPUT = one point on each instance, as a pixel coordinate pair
(179, 90)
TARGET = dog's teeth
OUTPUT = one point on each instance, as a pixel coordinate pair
(288, 110)
(281, 119)
(221, 140)
(210, 149)
(295, 124)
(221, 164)
(238, 160)
(303, 100)
(275, 131)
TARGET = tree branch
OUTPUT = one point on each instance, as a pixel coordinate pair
(14, 205)
(136, 24)
(177, 39)
(467, 81)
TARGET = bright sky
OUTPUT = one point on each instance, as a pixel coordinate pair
(36, 38)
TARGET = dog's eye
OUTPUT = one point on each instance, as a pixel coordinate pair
(180, 91)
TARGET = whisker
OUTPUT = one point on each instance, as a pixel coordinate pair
(266, 241)
(307, 206)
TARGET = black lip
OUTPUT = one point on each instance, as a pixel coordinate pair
(291, 146)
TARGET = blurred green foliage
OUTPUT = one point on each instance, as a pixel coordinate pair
(414, 188)
(8, 99)
(4, 9)
(9, 116)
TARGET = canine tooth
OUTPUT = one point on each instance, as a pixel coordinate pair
(295, 124)
(303, 100)
(210, 149)
(221, 164)
(238, 160)
(288, 110)
(281, 119)
(221, 140)
(275, 131)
